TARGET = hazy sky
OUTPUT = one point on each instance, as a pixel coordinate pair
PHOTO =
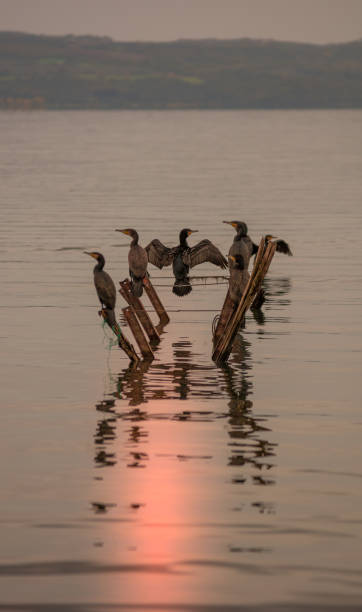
(301, 20)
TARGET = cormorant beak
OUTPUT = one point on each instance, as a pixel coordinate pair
(230, 223)
(231, 257)
(91, 254)
(270, 237)
(124, 231)
(191, 232)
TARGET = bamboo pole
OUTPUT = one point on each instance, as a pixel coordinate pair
(139, 310)
(123, 343)
(262, 262)
(156, 302)
(136, 328)
(226, 313)
(226, 320)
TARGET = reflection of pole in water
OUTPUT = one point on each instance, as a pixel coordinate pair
(105, 435)
(131, 383)
(182, 366)
(249, 447)
(238, 378)
(145, 381)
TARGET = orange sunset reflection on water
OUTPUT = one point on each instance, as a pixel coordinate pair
(163, 461)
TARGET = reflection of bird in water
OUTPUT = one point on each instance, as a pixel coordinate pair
(137, 259)
(183, 257)
(239, 277)
(105, 288)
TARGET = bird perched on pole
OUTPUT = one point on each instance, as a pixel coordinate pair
(282, 246)
(105, 288)
(239, 277)
(244, 247)
(242, 238)
(242, 243)
(137, 260)
(183, 257)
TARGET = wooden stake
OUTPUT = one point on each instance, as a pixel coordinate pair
(136, 328)
(139, 310)
(226, 313)
(156, 302)
(123, 343)
(261, 266)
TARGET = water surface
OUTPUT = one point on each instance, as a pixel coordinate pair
(179, 482)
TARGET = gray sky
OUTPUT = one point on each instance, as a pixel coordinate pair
(317, 21)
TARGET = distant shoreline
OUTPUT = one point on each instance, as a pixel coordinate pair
(96, 73)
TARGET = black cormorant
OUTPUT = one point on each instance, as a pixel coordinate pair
(242, 244)
(183, 257)
(137, 260)
(282, 246)
(245, 248)
(239, 277)
(243, 238)
(105, 288)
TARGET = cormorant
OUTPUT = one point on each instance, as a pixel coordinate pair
(137, 260)
(183, 257)
(242, 244)
(242, 237)
(282, 246)
(245, 247)
(105, 288)
(239, 277)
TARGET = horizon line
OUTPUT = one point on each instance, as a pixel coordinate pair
(183, 39)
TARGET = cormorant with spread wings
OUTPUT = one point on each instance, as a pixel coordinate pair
(183, 257)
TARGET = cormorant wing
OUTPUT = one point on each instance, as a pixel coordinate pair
(204, 251)
(158, 254)
(106, 289)
(283, 247)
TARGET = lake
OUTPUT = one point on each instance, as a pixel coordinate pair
(180, 485)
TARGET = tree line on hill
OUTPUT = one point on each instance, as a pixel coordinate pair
(90, 72)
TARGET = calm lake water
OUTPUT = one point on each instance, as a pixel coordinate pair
(180, 482)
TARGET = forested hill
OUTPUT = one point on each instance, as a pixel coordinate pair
(90, 72)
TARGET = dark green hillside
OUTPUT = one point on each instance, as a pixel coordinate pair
(93, 72)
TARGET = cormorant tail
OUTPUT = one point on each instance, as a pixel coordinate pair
(181, 287)
(137, 286)
(111, 320)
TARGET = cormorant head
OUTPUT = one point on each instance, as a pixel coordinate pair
(240, 226)
(186, 232)
(94, 254)
(237, 261)
(269, 237)
(98, 256)
(129, 232)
